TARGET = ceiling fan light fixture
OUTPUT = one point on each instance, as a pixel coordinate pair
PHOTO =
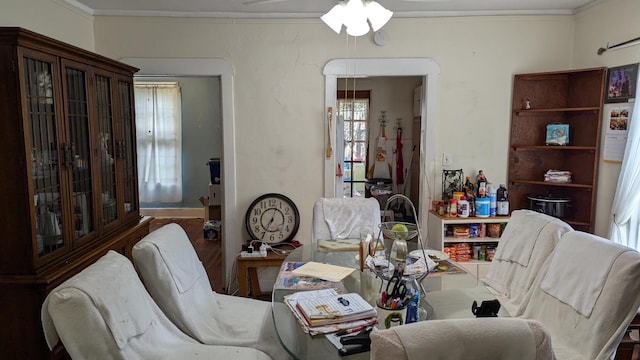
(353, 14)
(356, 18)
(358, 29)
(335, 17)
(377, 14)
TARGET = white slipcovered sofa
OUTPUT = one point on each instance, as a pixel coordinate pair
(583, 289)
(104, 312)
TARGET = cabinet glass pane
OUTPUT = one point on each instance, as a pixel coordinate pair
(80, 152)
(44, 155)
(105, 136)
(128, 155)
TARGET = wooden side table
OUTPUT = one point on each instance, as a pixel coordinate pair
(247, 271)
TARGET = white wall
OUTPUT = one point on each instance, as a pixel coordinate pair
(53, 18)
(613, 22)
(279, 86)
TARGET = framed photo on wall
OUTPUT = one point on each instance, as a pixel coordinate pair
(621, 83)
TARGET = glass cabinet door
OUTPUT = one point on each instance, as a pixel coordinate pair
(127, 145)
(79, 149)
(40, 73)
(104, 106)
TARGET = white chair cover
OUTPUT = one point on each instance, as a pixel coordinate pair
(525, 245)
(605, 276)
(177, 281)
(104, 312)
(463, 339)
(344, 218)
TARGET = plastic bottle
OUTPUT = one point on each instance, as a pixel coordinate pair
(469, 188)
(503, 201)
(413, 298)
(493, 200)
(472, 207)
(453, 208)
(463, 207)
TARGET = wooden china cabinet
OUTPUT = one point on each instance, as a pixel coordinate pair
(69, 176)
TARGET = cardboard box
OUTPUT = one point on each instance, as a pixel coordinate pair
(211, 212)
(215, 194)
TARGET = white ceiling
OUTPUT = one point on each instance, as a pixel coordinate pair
(315, 8)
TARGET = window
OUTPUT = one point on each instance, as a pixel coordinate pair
(625, 211)
(159, 141)
(353, 107)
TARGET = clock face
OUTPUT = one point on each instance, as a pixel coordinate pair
(272, 218)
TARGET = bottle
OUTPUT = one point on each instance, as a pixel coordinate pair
(493, 200)
(469, 188)
(463, 207)
(413, 300)
(470, 192)
(453, 208)
(481, 182)
(472, 207)
(503, 201)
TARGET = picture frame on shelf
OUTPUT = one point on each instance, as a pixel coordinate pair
(621, 83)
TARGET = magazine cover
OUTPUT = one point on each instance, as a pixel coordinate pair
(288, 280)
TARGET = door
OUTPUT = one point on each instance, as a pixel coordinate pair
(44, 132)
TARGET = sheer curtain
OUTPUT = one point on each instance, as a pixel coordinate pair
(625, 210)
(159, 137)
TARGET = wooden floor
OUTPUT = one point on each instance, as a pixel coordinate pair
(209, 252)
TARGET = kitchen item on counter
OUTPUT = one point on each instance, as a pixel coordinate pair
(554, 205)
(493, 230)
(483, 205)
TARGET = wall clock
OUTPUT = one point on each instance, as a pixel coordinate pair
(272, 218)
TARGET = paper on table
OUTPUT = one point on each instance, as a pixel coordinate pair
(324, 271)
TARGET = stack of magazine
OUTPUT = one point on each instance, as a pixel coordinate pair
(326, 310)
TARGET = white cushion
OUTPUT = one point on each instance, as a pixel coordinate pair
(201, 313)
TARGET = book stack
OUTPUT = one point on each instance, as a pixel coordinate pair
(325, 311)
(558, 176)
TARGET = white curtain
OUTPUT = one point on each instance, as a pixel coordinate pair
(626, 203)
(159, 136)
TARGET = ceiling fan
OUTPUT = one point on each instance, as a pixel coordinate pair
(354, 15)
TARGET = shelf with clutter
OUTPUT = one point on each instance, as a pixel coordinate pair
(465, 224)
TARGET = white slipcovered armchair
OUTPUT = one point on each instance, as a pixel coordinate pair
(178, 282)
(104, 312)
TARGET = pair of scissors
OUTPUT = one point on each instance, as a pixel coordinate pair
(396, 287)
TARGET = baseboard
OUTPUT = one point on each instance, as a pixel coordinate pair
(173, 212)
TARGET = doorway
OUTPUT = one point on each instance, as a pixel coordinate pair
(223, 69)
(428, 71)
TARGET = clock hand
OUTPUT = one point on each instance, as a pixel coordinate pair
(269, 224)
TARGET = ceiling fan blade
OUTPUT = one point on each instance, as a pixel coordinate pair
(252, 2)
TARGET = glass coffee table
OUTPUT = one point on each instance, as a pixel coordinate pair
(452, 302)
